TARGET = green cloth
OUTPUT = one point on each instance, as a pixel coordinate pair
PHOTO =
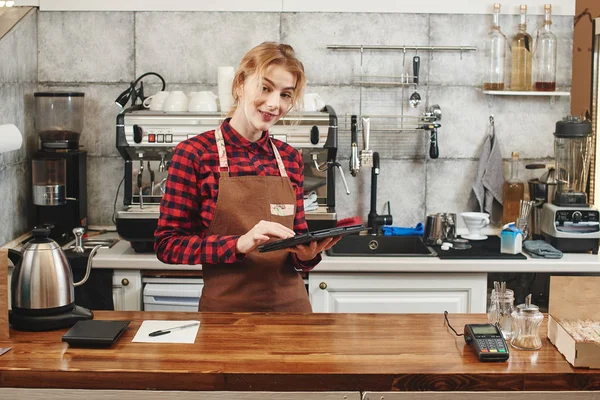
(541, 249)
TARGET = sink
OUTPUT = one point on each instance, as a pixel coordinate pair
(381, 246)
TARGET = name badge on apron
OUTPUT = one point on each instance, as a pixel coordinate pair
(282, 210)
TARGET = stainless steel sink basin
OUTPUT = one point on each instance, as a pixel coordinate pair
(381, 246)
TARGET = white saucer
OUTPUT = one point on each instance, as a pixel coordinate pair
(474, 237)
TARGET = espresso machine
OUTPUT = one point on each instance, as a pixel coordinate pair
(146, 140)
(59, 166)
(569, 223)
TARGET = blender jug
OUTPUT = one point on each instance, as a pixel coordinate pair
(572, 145)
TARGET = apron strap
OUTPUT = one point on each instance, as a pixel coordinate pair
(224, 165)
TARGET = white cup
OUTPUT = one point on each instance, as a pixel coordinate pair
(313, 102)
(224, 82)
(475, 221)
(203, 101)
(176, 101)
(156, 101)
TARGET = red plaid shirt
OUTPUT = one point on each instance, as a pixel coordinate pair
(189, 203)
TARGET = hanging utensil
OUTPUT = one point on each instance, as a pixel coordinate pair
(415, 98)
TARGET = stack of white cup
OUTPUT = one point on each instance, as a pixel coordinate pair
(225, 82)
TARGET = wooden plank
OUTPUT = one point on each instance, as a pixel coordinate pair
(575, 297)
(289, 352)
(3, 294)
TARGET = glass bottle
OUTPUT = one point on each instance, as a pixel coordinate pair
(544, 55)
(514, 190)
(502, 305)
(495, 54)
(527, 319)
(520, 74)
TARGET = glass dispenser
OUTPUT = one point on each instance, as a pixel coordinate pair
(59, 118)
(495, 54)
(527, 319)
(520, 73)
(49, 178)
(544, 55)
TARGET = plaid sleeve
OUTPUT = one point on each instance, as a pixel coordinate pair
(296, 173)
(180, 237)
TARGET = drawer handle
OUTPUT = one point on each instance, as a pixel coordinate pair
(322, 285)
(125, 282)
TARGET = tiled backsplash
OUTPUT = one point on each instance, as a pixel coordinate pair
(186, 48)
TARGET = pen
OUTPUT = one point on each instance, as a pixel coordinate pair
(165, 331)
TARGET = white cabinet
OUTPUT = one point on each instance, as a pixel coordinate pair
(127, 290)
(398, 292)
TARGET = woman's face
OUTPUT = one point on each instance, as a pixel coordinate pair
(264, 103)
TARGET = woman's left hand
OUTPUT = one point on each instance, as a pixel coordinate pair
(310, 251)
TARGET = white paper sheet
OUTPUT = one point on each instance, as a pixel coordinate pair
(187, 335)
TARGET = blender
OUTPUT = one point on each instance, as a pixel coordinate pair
(569, 223)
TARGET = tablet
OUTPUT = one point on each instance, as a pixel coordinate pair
(310, 236)
(94, 333)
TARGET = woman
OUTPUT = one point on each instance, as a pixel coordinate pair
(234, 188)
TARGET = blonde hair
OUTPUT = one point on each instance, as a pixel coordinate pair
(258, 59)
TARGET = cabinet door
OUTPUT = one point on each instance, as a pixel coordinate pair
(398, 292)
(127, 290)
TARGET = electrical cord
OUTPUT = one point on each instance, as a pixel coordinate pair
(133, 94)
(114, 220)
(450, 326)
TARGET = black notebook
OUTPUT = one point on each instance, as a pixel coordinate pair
(310, 236)
(94, 333)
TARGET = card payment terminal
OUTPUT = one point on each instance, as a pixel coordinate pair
(487, 342)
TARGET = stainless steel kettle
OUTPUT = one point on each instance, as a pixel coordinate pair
(42, 279)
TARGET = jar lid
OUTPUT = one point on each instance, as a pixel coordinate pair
(573, 126)
(527, 307)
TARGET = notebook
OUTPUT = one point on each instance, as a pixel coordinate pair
(94, 333)
(310, 236)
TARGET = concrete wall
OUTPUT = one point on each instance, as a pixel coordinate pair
(18, 81)
(100, 52)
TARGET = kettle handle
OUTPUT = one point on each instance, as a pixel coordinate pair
(15, 256)
(88, 268)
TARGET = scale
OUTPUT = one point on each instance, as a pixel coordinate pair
(569, 223)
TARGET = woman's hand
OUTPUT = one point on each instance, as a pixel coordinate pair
(260, 233)
(310, 251)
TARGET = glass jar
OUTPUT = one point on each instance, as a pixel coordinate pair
(527, 319)
(500, 311)
(521, 55)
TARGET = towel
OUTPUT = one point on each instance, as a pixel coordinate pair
(311, 202)
(418, 230)
(541, 249)
(487, 188)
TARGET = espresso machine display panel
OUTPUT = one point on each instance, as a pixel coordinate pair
(146, 141)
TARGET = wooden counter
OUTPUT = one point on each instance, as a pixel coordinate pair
(289, 352)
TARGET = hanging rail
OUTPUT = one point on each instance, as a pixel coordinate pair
(403, 48)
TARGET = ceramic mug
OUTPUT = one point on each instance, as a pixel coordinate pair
(203, 101)
(156, 101)
(176, 101)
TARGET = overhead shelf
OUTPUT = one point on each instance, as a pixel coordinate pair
(525, 93)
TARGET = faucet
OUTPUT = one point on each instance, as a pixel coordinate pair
(375, 221)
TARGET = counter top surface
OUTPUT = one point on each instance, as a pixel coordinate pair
(122, 256)
(289, 352)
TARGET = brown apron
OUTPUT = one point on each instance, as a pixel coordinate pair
(261, 281)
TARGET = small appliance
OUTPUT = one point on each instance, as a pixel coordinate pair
(569, 223)
(146, 140)
(59, 167)
(42, 287)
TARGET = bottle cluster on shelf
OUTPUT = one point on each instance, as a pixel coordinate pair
(521, 62)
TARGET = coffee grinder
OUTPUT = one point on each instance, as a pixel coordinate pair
(569, 223)
(59, 167)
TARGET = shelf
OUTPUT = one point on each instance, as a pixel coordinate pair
(384, 80)
(525, 93)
